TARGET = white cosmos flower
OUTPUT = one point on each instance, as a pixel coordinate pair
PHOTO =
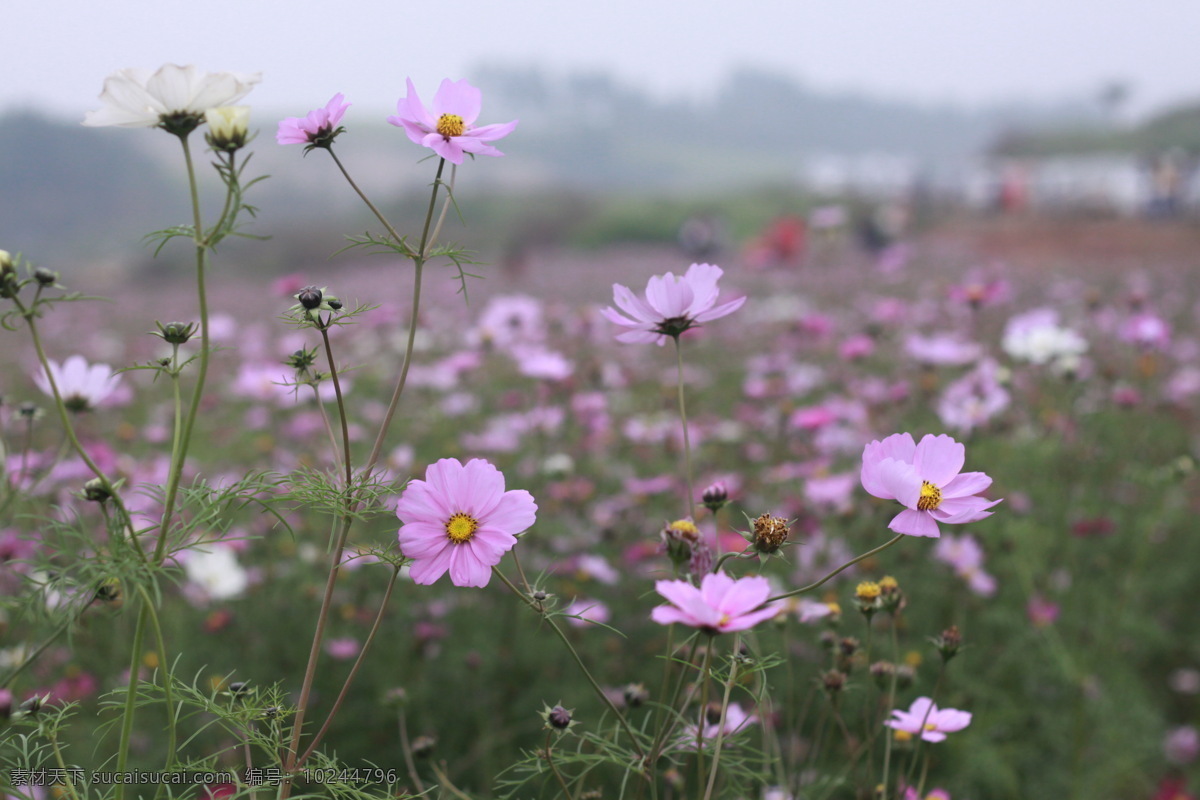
(82, 386)
(216, 572)
(135, 98)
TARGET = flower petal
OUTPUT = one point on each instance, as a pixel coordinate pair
(939, 459)
(914, 523)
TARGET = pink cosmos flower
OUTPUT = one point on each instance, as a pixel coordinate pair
(672, 305)
(318, 128)
(460, 519)
(926, 719)
(927, 479)
(82, 386)
(720, 605)
(450, 129)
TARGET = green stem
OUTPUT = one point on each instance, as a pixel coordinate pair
(703, 712)
(712, 775)
(183, 442)
(337, 704)
(139, 633)
(341, 404)
(891, 704)
(550, 761)
(41, 648)
(845, 566)
(687, 444)
(578, 661)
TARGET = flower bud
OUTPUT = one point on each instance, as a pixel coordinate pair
(301, 360)
(715, 496)
(557, 718)
(769, 533)
(948, 642)
(833, 681)
(30, 412)
(868, 597)
(239, 690)
(679, 537)
(227, 127)
(45, 277)
(310, 297)
(175, 332)
(422, 746)
(96, 491)
(882, 672)
(635, 694)
(109, 590)
(9, 285)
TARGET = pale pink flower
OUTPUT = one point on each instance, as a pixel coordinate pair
(672, 305)
(342, 649)
(929, 721)
(450, 129)
(582, 612)
(82, 386)
(736, 720)
(1181, 745)
(317, 128)
(720, 605)
(462, 520)
(1147, 330)
(927, 479)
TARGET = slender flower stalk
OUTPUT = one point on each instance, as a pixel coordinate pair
(836, 572)
(712, 774)
(690, 499)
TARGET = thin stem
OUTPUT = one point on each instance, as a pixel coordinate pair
(666, 731)
(703, 712)
(445, 779)
(845, 566)
(362, 654)
(687, 444)
(41, 648)
(712, 775)
(579, 661)
(179, 452)
(891, 704)
(550, 761)
(409, 764)
(161, 651)
(139, 633)
(341, 404)
(378, 215)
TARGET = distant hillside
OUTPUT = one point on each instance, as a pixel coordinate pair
(1178, 128)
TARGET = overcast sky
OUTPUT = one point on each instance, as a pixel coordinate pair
(56, 53)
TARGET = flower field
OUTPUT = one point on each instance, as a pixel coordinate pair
(911, 525)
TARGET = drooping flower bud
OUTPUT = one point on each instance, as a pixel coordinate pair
(948, 642)
(96, 491)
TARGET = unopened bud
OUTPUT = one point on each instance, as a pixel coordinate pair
(715, 496)
(948, 642)
(175, 332)
(422, 746)
(310, 297)
(96, 491)
(833, 681)
(635, 694)
(227, 127)
(45, 277)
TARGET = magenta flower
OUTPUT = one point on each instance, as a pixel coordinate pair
(672, 305)
(926, 719)
(927, 479)
(318, 128)
(460, 519)
(720, 605)
(450, 129)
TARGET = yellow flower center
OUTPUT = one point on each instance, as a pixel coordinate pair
(451, 125)
(686, 527)
(902, 736)
(867, 590)
(931, 497)
(461, 527)
(929, 726)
